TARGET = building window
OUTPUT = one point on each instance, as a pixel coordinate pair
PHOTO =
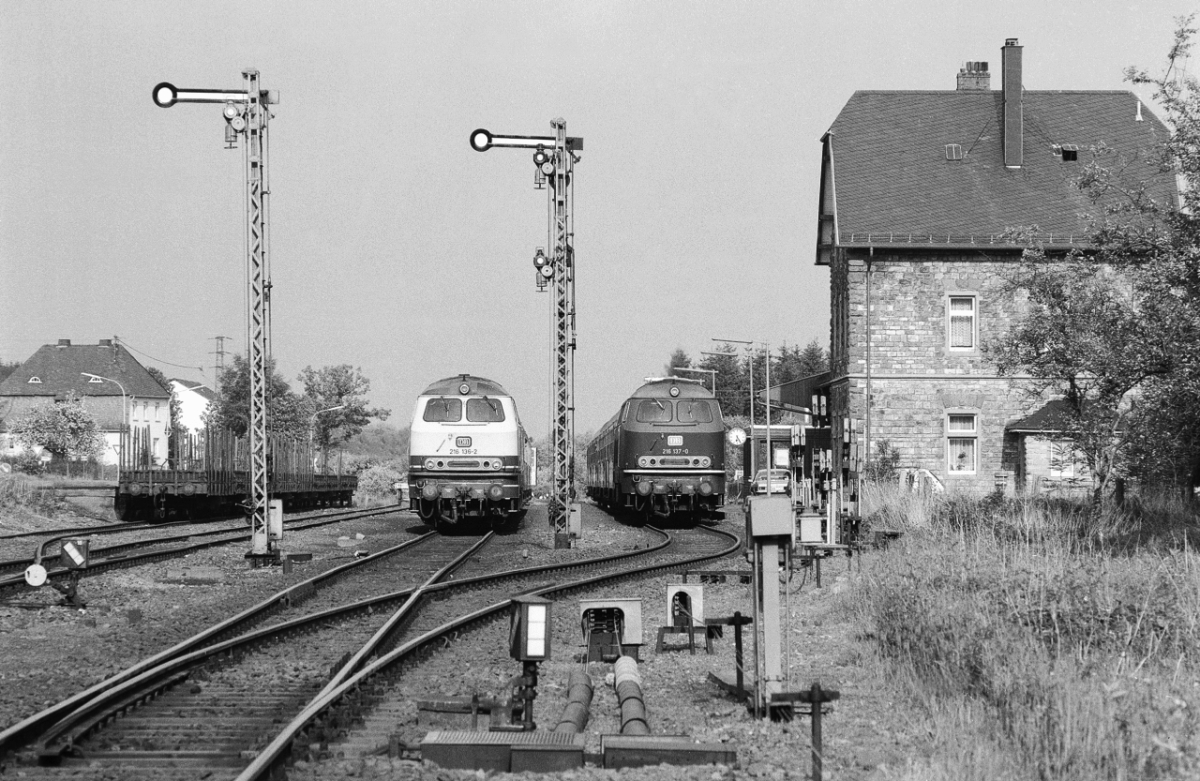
(962, 443)
(156, 413)
(35, 380)
(962, 319)
(1066, 462)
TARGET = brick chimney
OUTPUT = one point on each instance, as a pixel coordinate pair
(64, 342)
(106, 342)
(974, 77)
(1010, 68)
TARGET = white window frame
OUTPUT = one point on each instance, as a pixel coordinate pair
(950, 314)
(959, 434)
(1064, 461)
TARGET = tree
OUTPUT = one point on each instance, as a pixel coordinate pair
(231, 409)
(65, 428)
(679, 359)
(1113, 328)
(337, 386)
(731, 379)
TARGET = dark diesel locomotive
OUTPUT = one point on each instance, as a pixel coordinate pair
(211, 476)
(469, 457)
(662, 455)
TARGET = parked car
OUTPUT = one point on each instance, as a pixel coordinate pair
(781, 482)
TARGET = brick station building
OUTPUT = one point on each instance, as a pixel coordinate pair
(919, 190)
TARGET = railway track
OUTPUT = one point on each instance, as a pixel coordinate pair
(158, 548)
(174, 683)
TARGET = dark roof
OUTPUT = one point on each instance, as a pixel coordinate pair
(479, 386)
(1051, 418)
(892, 179)
(58, 366)
(798, 393)
(199, 388)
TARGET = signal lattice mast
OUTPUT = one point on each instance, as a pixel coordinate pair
(246, 115)
(554, 156)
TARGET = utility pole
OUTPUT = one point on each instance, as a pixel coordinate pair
(246, 115)
(555, 158)
(219, 361)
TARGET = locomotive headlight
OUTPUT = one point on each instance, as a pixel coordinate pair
(643, 461)
(705, 461)
(496, 465)
(674, 392)
(430, 463)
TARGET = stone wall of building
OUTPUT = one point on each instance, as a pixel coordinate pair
(891, 335)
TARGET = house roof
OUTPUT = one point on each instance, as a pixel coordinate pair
(1050, 418)
(199, 388)
(893, 184)
(59, 367)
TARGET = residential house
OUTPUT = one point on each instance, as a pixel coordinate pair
(919, 193)
(194, 400)
(115, 388)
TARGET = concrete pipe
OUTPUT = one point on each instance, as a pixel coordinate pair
(628, 684)
(579, 700)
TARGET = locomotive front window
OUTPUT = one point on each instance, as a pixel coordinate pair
(484, 410)
(448, 410)
(654, 411)
(693, 411)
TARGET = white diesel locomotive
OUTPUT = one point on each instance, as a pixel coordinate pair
(469, 458)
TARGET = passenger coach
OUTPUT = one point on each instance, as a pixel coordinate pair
(662, 455)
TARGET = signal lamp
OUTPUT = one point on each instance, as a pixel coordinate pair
(231, 111)
(546, 271)
(529, 632)
(540, 157)
(540, 260)
(547, 168)
(674, 392)
(464, 389)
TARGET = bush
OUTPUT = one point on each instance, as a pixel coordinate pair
(375, 484)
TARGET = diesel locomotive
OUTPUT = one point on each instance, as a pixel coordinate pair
(662, 455)
(470, 461)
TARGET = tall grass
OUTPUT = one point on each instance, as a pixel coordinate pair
(1044, 639)
(17, 490)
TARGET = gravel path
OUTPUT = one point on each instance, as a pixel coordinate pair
(47, 651)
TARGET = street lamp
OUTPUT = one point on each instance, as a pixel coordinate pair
(312, 423)
(767, 347)
(124, 418)
(713, 372)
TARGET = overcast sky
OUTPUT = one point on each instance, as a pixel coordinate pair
(396, 247)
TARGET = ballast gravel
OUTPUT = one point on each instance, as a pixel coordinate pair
(48, 651)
